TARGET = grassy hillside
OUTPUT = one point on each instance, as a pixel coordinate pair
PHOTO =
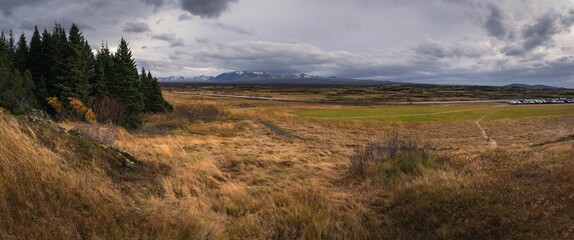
(227, 176)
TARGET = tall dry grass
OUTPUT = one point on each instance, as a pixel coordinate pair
(235, 179)
(44, 195)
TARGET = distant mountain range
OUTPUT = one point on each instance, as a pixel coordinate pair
(247, 77)
(263, 78)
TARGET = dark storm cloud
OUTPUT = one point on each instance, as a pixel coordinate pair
(206, 8)
(494, 23)
(66, 22)
(173, 40)
(541, 32)
(136, 27)
(9, 5)
(513, 50)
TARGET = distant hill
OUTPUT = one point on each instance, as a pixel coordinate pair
(263, 78)
(538, 86)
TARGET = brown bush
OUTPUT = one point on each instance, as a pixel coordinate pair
(106, 134)
(108, 109)
(203, 112)
(390, 157)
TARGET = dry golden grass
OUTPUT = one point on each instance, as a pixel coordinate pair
(234, 178)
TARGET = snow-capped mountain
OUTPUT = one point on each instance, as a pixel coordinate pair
(241, 76)
(201, 78)
(248, 77)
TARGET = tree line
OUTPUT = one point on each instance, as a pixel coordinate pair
(61, 65)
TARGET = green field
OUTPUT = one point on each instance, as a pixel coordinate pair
(430, 113)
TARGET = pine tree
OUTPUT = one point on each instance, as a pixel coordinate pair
(5, 59)
(12, 47)
(46, 64)
(126, 85)
(28, 87)
(56, 56)
(104, 68)
(78, 67)
(41, 91)
(35, 60)
(154, 101)
(12, 92)
(21, 54)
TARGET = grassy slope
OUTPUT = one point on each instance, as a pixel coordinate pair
(234, 179)
(55, 186)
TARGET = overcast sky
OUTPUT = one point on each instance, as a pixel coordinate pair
(432, 41)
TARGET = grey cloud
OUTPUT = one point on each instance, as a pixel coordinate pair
(9, 5)
(157, 3)
(513, 50)
(170, 38)
(541, 32)
(438, 50)
(494, 23)
(136, 27)
(184, 17)
(66, 22)
(232, 28)
(206, 8)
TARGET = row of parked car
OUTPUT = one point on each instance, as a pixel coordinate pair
(543, 101)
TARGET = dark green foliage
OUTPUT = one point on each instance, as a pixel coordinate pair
(11, 46)
(57, 64)
(55, 53)
(41, 91)
(5, 54)
(104, 66)
(78, 67)
(126, 85)
(15, 91)
(35, 56)
(153, 98)
(21, 54)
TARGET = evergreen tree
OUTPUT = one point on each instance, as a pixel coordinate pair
(21, 54)
(126, 85)
(35, 60)
(12, 47)
(5, 59)
(104, 67)
(12, 92)
(56, 56)
(78, 68)
(154, 101)
(41, 91)
(46, 64)
(28, 87)
(63, 65)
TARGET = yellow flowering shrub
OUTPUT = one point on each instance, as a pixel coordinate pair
(75, 110)
(55, 103)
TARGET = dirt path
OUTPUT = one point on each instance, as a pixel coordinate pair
(275, 129)
(492, 142)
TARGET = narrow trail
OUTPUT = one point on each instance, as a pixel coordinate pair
(275, 129)
(492, 142)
